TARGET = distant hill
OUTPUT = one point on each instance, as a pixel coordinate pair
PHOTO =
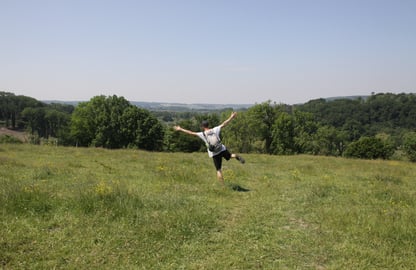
(202, 107)
(166, 106)
(163, 106)
(70, 102)
(346, 97)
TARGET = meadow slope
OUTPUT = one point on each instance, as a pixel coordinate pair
(86, 208)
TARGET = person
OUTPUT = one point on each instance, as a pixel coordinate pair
(221, 150)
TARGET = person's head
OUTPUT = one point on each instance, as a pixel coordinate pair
(204, 124)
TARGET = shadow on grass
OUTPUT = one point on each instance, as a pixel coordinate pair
(237, 187)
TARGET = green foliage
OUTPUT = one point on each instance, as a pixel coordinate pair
(334, 113)
(112, 122)
(212, 118)
(46, 122)
(141, 129)
(262, 118)
(178, 141)
(354, 129)
(319, 127)
(41, 120)
(369, 148)
(409, 145)
(329, 141)
(9, 139)
(305, 128)
(11, 107)
(380, 111)
(283, 135)
(241, 135)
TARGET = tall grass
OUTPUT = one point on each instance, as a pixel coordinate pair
(78, 208)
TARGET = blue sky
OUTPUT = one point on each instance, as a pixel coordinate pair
(212, 51)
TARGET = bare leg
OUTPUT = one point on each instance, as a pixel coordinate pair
(220, 177)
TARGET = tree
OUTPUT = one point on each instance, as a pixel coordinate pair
(409, 145)
(283, 135)
(46, 122)
(262, 118)
(240, 135)
(354, 129)
(112, 122)
(305, 128)
(56, 121)
(11, 107)
(35, 118)
(141, 129)
(330, 141)
(83, 126)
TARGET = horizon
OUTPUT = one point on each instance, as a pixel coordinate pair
(239, 104)
(184, 103)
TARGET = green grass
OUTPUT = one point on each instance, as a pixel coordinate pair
(78, 208)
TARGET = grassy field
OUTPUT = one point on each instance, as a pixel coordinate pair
(77, 208)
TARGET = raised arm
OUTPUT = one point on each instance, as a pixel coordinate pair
(178, 128)
(233, 114)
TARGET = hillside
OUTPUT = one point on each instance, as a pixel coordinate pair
(87, 208)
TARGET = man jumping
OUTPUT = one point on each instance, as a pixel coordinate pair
(216, 150)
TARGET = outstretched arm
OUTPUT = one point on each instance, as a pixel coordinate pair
(233, 114)
(178, 128)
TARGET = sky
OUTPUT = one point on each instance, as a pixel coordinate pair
(212, 51)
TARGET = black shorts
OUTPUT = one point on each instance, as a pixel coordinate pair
(218, 159)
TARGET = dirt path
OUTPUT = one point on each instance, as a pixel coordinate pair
(17, 134)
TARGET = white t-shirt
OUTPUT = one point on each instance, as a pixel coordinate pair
(217, 131)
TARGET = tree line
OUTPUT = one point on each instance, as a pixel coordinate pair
(378, 126)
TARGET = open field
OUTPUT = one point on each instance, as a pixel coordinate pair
(79, 208)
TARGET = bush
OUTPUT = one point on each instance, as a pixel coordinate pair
(9, 139)
(409, 145)
(369, 148)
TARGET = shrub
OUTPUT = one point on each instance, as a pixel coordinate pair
(9, 139)
(369, 148)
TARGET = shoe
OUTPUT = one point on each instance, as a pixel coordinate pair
(240, 159)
